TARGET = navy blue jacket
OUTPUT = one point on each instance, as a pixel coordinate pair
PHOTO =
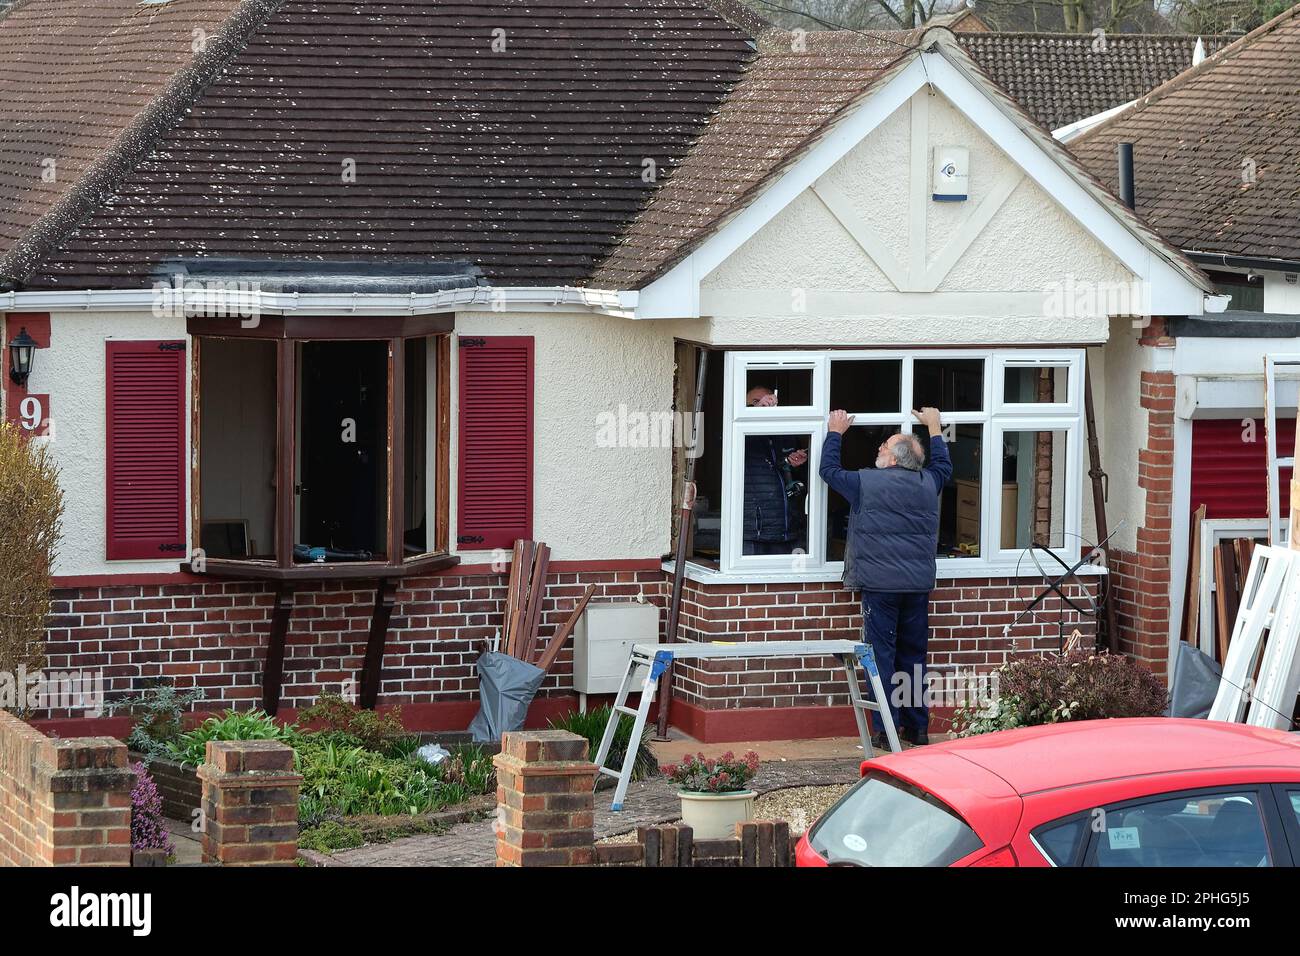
(893, 521)
(768, 514)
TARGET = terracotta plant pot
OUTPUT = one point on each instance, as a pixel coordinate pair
(713, 816)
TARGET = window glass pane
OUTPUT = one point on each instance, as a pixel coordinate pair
(1247, 293)
(869, 386)
(1061, 841)
(1295, 804)
(950, 385)
(778, 386)
(237, 448)
(884, 822)
(1036, 384)
(342, 440)
(774, 518)
(960, 514)
(1033, 488)
(858, 449)
(416, 449)
(1220, 830)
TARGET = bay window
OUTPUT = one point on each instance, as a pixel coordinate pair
(1011, 418)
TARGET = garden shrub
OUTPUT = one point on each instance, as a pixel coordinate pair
(31, 517)
(592, 726)
(148, 828)
(158, 718)
(1079, 685)
(191, 748)
(330, 714)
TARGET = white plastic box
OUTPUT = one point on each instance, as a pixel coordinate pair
(602, 643)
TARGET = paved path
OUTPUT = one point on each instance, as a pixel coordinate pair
(648, 802)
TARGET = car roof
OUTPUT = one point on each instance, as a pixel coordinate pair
(1053, 756)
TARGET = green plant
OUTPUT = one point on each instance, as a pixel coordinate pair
(31, 518)
(191, 748)
(726, 774)
(158, 722)
(330, 835)
(330, 713)
(592, 726)
(1053, 688)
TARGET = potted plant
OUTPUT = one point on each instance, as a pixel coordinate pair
(715, 793)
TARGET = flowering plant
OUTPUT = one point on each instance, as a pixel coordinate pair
(148, 832)
(726, 774)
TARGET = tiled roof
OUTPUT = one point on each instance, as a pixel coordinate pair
(785, 101)
(526, 159)
(81, 85)
(1064, 77)
(1199, 140)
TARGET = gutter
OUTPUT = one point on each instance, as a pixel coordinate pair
(167, 301)
(1242, 262)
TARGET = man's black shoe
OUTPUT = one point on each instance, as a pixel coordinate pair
(914, 736)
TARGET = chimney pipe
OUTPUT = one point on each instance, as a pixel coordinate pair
(1127, 193)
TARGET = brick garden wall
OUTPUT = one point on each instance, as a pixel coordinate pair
(62, 802)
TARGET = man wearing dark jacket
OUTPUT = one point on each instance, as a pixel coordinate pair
(773, 517)
(890, 554)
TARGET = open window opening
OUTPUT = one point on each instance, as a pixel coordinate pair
(237, 432)
(321, 452)
(342, 431)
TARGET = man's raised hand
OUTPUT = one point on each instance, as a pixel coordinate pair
(929, 417)
(840, 421)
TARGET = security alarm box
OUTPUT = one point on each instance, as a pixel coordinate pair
(951, 173)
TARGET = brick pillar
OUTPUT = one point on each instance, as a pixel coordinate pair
(63, 802)
(250, 803)
(544, 800)
(1146, 583)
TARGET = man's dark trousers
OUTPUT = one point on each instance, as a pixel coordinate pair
(898, 627)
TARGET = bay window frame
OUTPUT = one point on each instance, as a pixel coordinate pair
(995, 418)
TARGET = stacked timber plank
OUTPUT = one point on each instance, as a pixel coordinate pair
(525, 594)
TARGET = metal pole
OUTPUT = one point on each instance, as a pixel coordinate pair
(1099, 505)
(683, 548)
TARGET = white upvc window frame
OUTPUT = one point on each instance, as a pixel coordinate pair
(996, 417)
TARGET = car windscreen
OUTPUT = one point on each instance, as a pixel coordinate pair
(885, 822)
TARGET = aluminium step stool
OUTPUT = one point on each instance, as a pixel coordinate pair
(654, 660)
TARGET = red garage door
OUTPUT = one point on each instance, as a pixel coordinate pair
(1229, 462)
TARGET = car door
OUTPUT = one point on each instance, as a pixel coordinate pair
(1232, 826)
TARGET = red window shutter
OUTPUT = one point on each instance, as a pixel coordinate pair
(495, 470)
(1230, 467)
(146, 450)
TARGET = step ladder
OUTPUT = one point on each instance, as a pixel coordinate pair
(1278, 531)
(651, 660)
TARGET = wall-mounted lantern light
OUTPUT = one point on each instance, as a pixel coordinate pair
(22, 350)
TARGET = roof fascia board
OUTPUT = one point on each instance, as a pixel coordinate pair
(676, 294)
(1170, 292)
(165, 301)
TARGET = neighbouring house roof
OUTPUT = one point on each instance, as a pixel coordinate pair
(527, 158)
(1061, 78)
(785, 101)
(1197, 139)
(965, 20)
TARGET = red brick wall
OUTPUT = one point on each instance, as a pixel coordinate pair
(213, 635)
(62, 802)
(1141, 579)
(966, 622)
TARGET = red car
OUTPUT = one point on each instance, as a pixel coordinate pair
(1140, 792)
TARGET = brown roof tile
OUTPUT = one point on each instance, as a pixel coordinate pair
(82, 88)
(785, 101)
(527, 161)
(1196, 137)
(1061, 78)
